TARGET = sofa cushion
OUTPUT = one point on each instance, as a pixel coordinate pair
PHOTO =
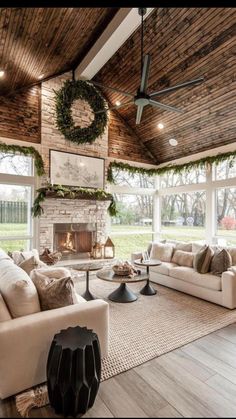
(4, 312)
(163, 268)
(80, 299)
(202, 259)
(220, 262)
(4, 255)
(232, 252)
(18, 290)
(162, 252)
(189, 275)
(182, 258)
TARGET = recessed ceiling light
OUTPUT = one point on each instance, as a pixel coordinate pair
(118, 103)
(2, 73)
(160, 125)
(173, 142)
(41, 76)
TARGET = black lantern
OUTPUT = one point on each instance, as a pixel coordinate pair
(109, 249)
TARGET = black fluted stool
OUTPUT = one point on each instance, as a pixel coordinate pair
(73, 370)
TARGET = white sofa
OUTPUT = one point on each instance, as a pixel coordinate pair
(25, 340)
(219, 290)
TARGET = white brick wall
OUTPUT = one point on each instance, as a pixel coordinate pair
(71, 211)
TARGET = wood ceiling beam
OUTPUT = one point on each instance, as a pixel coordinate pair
(124, 23)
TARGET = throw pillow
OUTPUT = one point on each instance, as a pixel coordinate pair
(149, 248)
(183, 258)
(54, 293)
(19, 257)
(29, 264)
(220, 262)
(196, 246)
(232, 252)
(186, 247)
(4, 312)
(162, 252)
(18, 290)
(54, 272)
(202, 259)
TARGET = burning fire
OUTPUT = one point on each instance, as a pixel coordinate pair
(69, 243)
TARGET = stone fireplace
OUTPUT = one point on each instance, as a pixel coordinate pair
(72, 226)
(74, 240)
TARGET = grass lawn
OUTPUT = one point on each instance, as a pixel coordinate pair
(9, 230)
(133, 241)
(126, 244)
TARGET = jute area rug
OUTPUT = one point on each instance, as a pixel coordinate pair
(151, 326)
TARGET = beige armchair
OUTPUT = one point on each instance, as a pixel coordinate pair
(26, 332)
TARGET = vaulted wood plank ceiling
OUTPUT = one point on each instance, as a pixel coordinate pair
(46, 41)
(184, 43)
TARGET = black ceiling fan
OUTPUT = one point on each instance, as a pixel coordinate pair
(142, 98)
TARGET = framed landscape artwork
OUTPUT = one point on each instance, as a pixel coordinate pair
(70, 169)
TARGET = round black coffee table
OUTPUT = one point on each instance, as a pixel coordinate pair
(87, 267)
(73, 370)
(148, 289)
(123, 293)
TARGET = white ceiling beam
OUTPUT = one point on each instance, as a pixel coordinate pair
(124, 23)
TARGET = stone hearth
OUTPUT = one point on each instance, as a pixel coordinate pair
(75, 211)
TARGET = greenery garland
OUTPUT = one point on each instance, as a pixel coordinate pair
(71, 91)
(174, 169)
(58, 191)
(26, 151)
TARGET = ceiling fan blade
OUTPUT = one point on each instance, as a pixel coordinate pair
(165, 107)
(145, 73)
(139, 114)
(116, 107)
(111, 88)
(178, 86)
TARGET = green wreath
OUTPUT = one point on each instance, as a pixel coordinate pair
(71, 91)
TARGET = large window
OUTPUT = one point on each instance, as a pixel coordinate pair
(226, 214)
(132, 229)
(183, 216)
(225, 170)
(171, 180)
(16, 192)
(195, 205)
(200, 204)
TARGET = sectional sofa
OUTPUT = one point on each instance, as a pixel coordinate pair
(216, 289)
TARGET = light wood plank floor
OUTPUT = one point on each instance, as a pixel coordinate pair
(198, 380)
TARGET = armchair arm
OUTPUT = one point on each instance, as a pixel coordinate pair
(25, 341)
(229, 289)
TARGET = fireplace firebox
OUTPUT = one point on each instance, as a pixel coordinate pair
(74, 240)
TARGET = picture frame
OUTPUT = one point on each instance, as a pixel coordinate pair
(71, 169)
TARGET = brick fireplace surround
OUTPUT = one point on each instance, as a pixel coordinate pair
(71, 211)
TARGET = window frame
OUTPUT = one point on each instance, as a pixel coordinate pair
(210, 187)
(23, 180)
